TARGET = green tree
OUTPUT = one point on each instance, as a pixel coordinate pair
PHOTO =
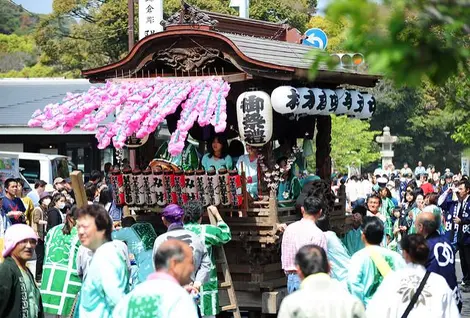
(334, 30)
(37, 70)
(407, 40)
(424, 119)
(352, 142)
(83, 34)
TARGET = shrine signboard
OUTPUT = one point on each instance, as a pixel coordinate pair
(150, 16)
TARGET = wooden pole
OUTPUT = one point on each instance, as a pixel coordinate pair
(130, 23)
(323, 142)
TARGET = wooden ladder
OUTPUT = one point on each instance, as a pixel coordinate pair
(227, 284)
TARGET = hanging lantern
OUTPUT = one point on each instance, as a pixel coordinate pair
(235, 188)
(191, 190)
(158, 186)
(307, 101)
(180, 187)
(255, 118)
(331, 102)
(150, 198)
(137, 187)
(169, 185)
(357, 103)
(213, 189)
(369, 106)
(285, 99)
(344, 101)
(223, 186)
(320, 102)
(127, 180)
(201, 187)
(117, 183)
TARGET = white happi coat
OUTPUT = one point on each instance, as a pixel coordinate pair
(395, 292)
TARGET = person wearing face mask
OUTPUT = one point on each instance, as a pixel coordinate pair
(39, 226)
(54, 214)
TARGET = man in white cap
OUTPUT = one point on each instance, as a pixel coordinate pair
(19, 295)
(59, 184)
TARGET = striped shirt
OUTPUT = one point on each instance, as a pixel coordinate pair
(296, 235)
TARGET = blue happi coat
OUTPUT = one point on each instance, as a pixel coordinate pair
(457, 233)
(441, 261)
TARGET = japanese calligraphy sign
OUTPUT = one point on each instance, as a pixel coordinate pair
(357, 103)
(150, 16)
(255, 118)
(158, 188)
(285, 99)
(369, 106)
(344, 101)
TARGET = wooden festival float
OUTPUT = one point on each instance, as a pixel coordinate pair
(207, 73)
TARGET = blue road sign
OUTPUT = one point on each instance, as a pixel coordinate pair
(316, 38)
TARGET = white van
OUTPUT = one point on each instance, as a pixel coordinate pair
(39, 166)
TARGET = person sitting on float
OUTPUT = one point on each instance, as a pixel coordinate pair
(188, 159)
(250, 167)
(289, 186)
(217, 155)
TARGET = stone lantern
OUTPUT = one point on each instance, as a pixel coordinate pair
(387, 142)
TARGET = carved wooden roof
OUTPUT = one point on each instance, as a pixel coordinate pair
(190, 51)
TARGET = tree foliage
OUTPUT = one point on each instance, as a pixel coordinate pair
(15, 19)
(352, 142)
(334, 30)
(408, 40)
(424, 119)
(83, 34)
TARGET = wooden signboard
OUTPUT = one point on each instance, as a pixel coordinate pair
(78, 189)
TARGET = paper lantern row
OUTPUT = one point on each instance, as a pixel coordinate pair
(317, 101)
(159, 188)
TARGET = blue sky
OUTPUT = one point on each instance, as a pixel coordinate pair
(36, 6)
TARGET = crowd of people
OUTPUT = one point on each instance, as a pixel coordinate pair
(68, 261)
(398, 258)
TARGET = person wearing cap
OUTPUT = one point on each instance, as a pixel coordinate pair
(19, 295)
(39, 226)
(59, 184)
(107, 278)
(172, 218)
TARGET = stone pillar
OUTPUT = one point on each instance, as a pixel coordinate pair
(387, 142)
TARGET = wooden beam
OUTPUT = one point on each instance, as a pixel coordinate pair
(78, 189)
(271, 301)
(229, 78)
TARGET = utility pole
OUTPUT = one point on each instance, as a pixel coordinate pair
(130, 23)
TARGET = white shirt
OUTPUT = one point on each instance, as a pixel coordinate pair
(395, 292)
(352, 190)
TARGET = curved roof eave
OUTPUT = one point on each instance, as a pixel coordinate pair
(165, 34)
